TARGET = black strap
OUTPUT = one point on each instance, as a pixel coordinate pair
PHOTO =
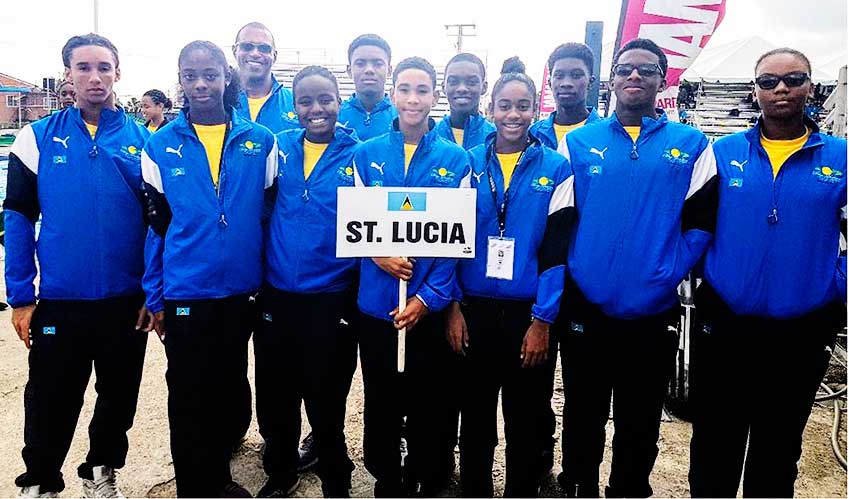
(501, 209)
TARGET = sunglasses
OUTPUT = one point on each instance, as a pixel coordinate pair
(264, 48)
(791, 80)
(645, 70)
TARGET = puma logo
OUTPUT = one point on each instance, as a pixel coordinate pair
(378, 167)
(739, 165)
(175, 151)
(64, 141)
(283, 155)
(599, 153)
(478, 176)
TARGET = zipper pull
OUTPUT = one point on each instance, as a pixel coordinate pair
(222, 222)
(634, 154)
(368, 120)
(305, 196)
(773, 217)
(93, 151)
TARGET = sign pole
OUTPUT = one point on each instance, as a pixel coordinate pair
(402, 333)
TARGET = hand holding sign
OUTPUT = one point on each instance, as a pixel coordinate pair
(398, 267)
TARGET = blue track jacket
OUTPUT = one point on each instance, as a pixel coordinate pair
(544, 130)
(301, 248)
(788, 266)
(207, 243)
(277, 113)
(436, 163)
(92, 234)
(539, 216)
(646, 212)
(475, 130)
(368, 125)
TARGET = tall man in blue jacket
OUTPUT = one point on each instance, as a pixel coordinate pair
(78, 169)
(369, 110)
(645, 195)
(774, 292)
(263, 99)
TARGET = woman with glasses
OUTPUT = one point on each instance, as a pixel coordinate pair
(774, 290)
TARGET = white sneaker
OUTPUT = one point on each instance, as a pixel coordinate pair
(103, 485)
(35, 491)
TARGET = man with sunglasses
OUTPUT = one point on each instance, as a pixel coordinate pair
(645, 193)
(773, 295)
(263, 99)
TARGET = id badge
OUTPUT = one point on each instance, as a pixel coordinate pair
(500, 257)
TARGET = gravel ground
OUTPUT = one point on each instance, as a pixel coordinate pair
(149, 470)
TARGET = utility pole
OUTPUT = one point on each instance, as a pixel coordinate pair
(458, 31)
(96, 27)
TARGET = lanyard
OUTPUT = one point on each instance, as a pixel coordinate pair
(501, 209)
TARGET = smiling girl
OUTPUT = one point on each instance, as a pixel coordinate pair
(205, 174)
(305, 295)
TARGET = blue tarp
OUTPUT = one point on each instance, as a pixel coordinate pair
(19, 90)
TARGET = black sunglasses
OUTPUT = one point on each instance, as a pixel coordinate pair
(264, 48)
(770, 81)
(645, 70)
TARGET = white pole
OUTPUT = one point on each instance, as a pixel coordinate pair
(402, 333)
(95, 17)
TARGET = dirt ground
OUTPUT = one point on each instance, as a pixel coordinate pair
(149, 472)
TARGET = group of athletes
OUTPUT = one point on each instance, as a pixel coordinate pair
(220, 224)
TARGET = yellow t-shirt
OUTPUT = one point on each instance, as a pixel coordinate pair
(212, 137)
(780, 150)
(409, 149)
(92, 129)
(562, 130)
(312, 153)
(254, 106)
(458, 133)
(633, 131)
(152, 128)
(508, 163)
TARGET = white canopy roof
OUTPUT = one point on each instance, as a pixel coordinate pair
(735, 61)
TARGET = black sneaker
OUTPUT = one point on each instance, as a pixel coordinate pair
(233, 489)
(282, 487)
(308, 454)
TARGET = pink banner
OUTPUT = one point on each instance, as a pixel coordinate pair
(680, 27)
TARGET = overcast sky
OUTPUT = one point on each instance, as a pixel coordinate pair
(150, 33)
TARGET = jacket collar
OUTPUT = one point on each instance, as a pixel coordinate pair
(427, 139)
(238, 124)
(532, 145)
(648, 125)
(473, 121)
(382, 104)
(753, 135)
(342, 136)
(109, 119)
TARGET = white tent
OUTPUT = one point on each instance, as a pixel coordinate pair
(735, 61)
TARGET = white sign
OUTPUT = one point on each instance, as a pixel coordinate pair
(405, 221)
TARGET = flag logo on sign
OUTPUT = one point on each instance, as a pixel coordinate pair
(406, 201)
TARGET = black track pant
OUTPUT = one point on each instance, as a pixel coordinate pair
(207, 348)
(631, 360)
(68, 338)
(492, 364)
(388, 394)
(753, 380)
(303, 353)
